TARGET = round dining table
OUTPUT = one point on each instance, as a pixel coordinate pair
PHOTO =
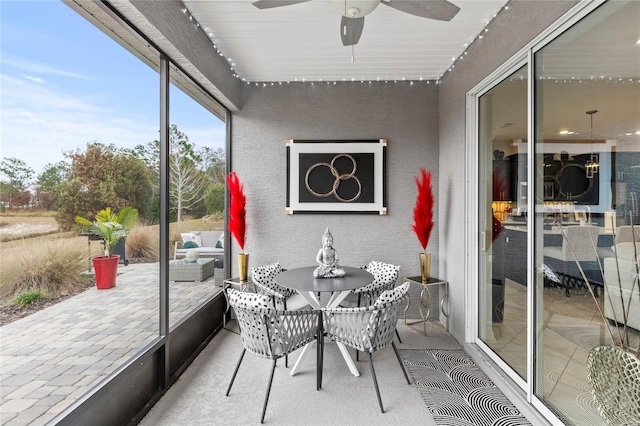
(303, 281)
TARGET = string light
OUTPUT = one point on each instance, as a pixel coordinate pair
(211, 36)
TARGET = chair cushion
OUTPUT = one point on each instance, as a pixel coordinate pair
(550, 274)
(265, 273)
(384, 275)
(389, 296)
(383, 271)
(248, 300)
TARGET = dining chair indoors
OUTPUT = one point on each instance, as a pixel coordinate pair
(367, 328)
(282, 297)
(270, 333)
(385, 276)
(579, 244)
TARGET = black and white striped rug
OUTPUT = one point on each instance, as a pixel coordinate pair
(457, 392)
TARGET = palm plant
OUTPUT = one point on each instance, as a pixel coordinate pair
(111, 227)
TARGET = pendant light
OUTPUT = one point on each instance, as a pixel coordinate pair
(592, 163)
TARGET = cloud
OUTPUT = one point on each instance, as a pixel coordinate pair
(34, 79)
(37, 68)
(39, 122)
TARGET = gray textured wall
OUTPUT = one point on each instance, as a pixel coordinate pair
(508, 33)
(404, 114)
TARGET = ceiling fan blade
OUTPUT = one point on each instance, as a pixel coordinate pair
(441, 10)
(268, 4)
(351, 30)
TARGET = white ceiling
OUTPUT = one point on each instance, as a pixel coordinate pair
(302, 41)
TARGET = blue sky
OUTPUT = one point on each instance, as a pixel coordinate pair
(63, 84)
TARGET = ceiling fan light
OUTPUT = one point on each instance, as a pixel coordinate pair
(363, 7)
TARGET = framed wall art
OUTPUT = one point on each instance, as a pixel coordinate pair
(336, 176)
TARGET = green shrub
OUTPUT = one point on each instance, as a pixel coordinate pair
(214, 198)
(52, 267)
(26, 298)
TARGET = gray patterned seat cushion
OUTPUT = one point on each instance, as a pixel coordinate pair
(249, 300)
(388, 296)
(384, 276)
(262, 277)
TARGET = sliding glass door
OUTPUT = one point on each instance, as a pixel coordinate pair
(587, 153)
(502, 309)
(545, 272)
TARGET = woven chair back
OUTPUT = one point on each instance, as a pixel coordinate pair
(271, 333)
(367, 329)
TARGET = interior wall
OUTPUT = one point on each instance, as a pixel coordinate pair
(405, 114)
(509, 32)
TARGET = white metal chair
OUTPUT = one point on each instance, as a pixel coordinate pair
(283, 298)
(270, 333)
(385, 276)
(367, 329)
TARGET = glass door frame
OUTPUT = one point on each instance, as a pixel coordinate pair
(474, 234)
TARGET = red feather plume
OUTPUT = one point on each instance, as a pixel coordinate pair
(237, 212)
(423, 210)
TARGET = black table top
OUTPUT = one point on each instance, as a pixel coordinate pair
(302, 279)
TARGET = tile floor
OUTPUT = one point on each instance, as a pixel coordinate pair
(572, 326)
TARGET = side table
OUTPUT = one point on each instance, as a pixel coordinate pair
(426, 302)
(238, 285)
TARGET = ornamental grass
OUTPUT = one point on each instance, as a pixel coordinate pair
(142, 243)
(51, 267)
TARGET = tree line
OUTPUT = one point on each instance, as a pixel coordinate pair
(86, 182)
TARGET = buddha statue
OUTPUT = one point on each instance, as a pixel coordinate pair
(327, 258)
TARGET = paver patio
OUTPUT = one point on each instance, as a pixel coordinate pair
(52, 357)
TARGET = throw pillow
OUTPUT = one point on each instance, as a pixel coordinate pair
(392, 295)
(190, 236)
(220, 242)
(189, 245)
(248, 300)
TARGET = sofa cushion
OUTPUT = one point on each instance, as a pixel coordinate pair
(210, 238)
(190, 236)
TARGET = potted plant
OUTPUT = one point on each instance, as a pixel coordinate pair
(423, 220)
(111, 227)
(237, 220)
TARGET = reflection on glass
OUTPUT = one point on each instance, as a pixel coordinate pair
(503, 286)
(196, 187)
(582, 121)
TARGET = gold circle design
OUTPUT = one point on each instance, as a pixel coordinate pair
(338, 178)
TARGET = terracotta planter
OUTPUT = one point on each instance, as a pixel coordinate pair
(106, 269)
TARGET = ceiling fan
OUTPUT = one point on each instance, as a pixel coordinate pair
(354, 11)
